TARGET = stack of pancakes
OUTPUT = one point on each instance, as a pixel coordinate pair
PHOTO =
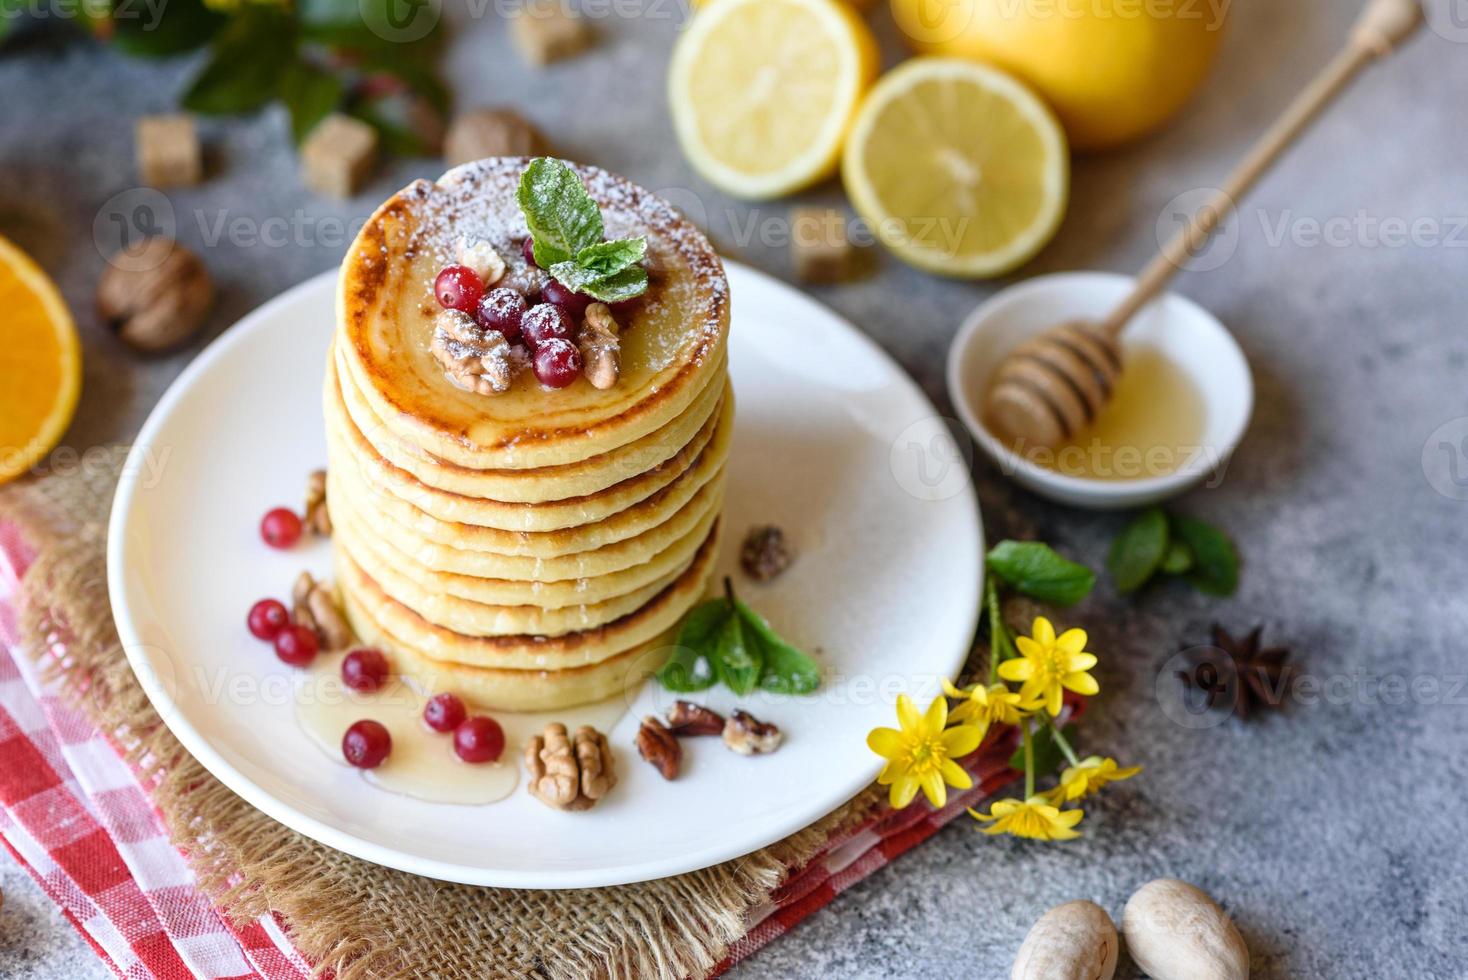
(533, 549)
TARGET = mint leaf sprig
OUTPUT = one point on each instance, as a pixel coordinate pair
(724, 641)
(1157, 542)
(566, 232)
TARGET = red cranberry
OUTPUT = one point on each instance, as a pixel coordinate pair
(574, 304)
(479, 739)
(281, 528)
(267, 618)
(297, 645)
(458, 288)
(501, 309)
(557, 363)
(366, 744)
(365, 669)
(443, 712)
(527, 249)
(546, 322)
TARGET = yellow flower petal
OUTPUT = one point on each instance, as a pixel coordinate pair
(886, 742)
(1016, 670)
(903, 790)
(1029, 647)
(955, 692)
(954, 775)
(933, 788)
(1081, 684)
(1080, 661)
(961, 740)
(907, 715)
(890, 772)
(1071, 641)
(1043, 632)
(1053, 701)
(937, 715)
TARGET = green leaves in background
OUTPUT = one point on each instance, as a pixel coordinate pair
(1157, 542)
(159, 31)
(1049, 757)
(1033, 568)
(724, 640)
(250, 58)
(310, 94)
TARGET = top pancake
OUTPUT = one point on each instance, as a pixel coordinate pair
(672, 337)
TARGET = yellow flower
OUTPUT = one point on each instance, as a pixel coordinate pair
(1035, 818)
(921, 754)
(1047, 663)
(1088, 777)
(985, 706)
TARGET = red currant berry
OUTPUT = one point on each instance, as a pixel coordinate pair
(574, 304)
(297, 645)
(366, 744)
(479, 739)
(267, 618)
(546, 322)
(501, 309)
(458, 287)
(281, 528)
(557, 363)
(527, 249)
(443, 712)
(365, 669)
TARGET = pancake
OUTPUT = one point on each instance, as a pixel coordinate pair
(533, 485)
(348, 485)
(673, 338)
(373, 612)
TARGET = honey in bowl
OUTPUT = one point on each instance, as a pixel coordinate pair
(1152, 426)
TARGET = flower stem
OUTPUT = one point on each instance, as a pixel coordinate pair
(1060, 740)
(999, 644)
(1029, 741)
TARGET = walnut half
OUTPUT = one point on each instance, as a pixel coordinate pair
(601, 346)
(570, 772)
(472, 357)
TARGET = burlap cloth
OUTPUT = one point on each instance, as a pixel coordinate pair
(346, 915)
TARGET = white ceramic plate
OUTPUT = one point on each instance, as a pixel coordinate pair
(833, 443)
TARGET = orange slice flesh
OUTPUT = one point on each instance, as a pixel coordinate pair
(40, 363)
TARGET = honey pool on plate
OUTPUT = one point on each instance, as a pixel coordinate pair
(1152, 427)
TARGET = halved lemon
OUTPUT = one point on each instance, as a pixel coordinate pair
(40, 363)
(958, 168)
(763, 91)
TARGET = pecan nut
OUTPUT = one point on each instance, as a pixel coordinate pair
(659, 746)
(747, 735)
(570, 772)
(689, 719)
(766, 553)
(316, 609)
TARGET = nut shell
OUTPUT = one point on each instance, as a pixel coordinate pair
(1074, 941)
(156, 293)
(1175, 931)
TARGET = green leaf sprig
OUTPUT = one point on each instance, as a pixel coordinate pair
(1156, 542)
(1034, 568)
(566, 228)
(724, 641)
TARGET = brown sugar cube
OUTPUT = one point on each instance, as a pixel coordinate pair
(338, 155)
(819, 246)
(546, 32)
(169, 154)
(481, 133)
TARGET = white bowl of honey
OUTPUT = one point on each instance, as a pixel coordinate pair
(1176, 414)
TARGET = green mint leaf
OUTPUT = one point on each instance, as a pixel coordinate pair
(1215, 562)
(561, 216)
(627, 284)
(1138, 551)
(310, 94)
(609, 258)
(249, 59)
(787, 670)
(692, 668)
(1048, 756)
(1179, 558)
(1034, 569)
(737, 661)
(188, 24)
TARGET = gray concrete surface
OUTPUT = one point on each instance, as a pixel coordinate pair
(1333, 832)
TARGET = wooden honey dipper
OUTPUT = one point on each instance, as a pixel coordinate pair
(1049, 388)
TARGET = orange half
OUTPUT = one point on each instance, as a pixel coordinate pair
(40, 363)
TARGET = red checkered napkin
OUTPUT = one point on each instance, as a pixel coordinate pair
(74, 815)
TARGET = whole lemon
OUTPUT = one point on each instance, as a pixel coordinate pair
(1112, 70)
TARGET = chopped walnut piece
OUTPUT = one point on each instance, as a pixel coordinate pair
(601, 347)
(766, 553)
(569, 772)
(473, 358)
(318, 519)
(689, 719)
(659, 746)
(747, 735)
(315, 608)
(482, 258)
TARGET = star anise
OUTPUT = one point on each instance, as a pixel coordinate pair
(1254, 676)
